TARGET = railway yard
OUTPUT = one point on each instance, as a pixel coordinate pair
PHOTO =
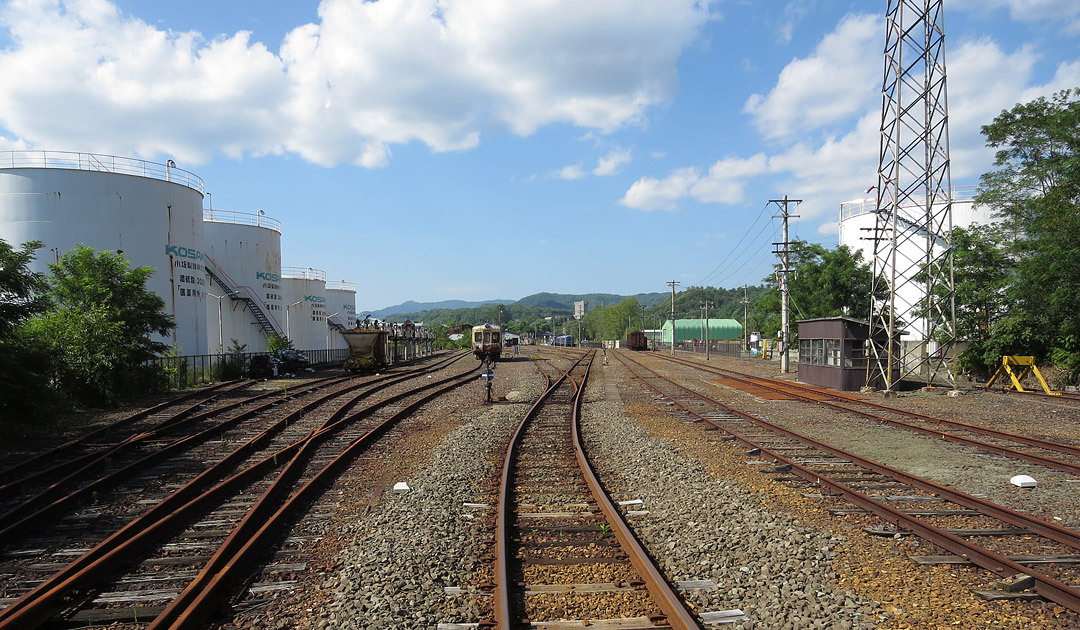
(666, 493)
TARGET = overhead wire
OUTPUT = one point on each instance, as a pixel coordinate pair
(735, 249)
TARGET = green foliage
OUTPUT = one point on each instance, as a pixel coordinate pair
(275, 342)
(612, 322)
(824, 283)
(1036, 194)
(233, 365)
(25, 364)
(22, 292)
(100, 332)
(982, 273)
(30, 391)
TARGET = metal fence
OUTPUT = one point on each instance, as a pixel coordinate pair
(189, 371)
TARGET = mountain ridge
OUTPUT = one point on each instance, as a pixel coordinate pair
(543, 299)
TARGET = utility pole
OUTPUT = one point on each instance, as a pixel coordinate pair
(745, 306)
(785, 288)
(706, 305)
(673, 284)
(701, 322)
(642, 318)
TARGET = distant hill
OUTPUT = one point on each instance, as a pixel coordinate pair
(416, 307)
(565, 300)
(559, 301)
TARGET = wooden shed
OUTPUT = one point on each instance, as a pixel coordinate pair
(832, 352)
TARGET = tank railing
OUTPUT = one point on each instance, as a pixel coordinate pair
(340, 285)
(303, 273)
(241, 218)
(864, 206)
(72, 160)
(93, 160)
(267, 321)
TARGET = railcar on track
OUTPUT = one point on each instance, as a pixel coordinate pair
(367, 349)
(635, 340)
(487, 342)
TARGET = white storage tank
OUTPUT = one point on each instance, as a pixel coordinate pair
(858, 219)
(243, 264)
(340, 311)
(151, 212)
(303, 291)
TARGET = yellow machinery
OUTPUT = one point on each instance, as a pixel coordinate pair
(1025, 364)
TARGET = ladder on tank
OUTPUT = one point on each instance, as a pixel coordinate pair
(216, 274)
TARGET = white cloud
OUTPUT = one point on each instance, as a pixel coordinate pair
(723, 183)
(707, 239)
(612, 162)
(837, 81)
(605, 166)
(649, 193)
(793, 13)
(1064, 13)
(80, 75)
(983, 80)
(570, 172)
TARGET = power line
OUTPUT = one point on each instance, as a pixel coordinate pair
(733, 250)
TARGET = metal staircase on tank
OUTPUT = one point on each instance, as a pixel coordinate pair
(218, 275)
(334, 324)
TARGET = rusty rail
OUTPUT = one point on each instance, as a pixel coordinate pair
(1051, 588)
(669, 602)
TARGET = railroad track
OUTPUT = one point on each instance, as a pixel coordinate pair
(558, 533)
(206, 538)
(1071, 399)
(1005, 542)
(1052, 454)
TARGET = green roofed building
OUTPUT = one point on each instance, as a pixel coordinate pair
(686, 329)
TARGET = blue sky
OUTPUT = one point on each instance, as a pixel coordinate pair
(478, 149)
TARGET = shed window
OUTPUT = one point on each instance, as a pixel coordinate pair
(832, 352)
(804, 351)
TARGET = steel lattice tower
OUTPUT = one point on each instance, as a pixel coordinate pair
(913, 258)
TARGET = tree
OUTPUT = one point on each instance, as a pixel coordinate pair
(25, 366)
(612, 322)
(101, 331)
(22, 292)
(1036, 194)
(982, 273)
(824, 283)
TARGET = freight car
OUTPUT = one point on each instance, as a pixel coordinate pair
(635, 340)
(367, 349)
(487, 342)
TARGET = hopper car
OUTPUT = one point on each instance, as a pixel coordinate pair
(487, 342)
(367, 349)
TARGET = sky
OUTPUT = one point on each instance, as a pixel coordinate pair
(480, 149)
